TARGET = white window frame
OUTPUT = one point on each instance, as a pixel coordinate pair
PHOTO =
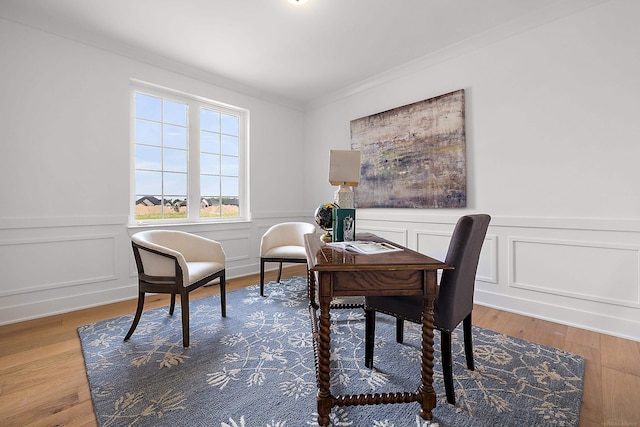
(193, 180)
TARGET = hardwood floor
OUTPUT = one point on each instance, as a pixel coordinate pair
(43, 381)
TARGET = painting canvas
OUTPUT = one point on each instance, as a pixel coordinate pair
(413, 156)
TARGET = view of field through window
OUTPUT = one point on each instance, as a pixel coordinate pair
(165, 167)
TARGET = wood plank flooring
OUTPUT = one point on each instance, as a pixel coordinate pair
(43, 380)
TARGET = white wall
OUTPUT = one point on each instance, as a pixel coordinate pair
(552, 154)
(64, 168)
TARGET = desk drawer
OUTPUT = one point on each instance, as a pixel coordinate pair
(376, 282)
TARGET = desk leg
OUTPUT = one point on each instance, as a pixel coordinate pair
(311, 288)
(324, 394)
(428, 401)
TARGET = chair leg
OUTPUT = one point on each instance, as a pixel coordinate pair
(369, 337)
(447, 369)
(173, 304)
(468, 346)
(223, 295)
(261, 277)
(279, 273)
(399, 330)
(136, 318)
(184, 302)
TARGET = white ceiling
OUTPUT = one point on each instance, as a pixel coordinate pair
(294, 52)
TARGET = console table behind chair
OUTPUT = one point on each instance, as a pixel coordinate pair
(337, 273)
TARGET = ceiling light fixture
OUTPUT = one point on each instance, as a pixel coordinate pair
(298, 2)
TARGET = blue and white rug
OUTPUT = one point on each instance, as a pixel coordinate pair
(255, 368)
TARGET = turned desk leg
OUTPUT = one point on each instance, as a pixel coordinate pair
(324, 394)
(428, 401)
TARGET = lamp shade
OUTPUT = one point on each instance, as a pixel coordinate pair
(344, 167)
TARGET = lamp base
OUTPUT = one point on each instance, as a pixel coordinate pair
(344, 197)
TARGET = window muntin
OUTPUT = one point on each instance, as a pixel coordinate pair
(188, 158)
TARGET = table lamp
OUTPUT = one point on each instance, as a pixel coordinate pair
(344, 171)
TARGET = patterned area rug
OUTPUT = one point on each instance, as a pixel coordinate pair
(255, 368)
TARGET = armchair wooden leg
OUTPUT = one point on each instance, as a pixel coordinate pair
(369, 337)
(173, 304)
(184, 302)
(468, 345)
(223, 295)
(261, 277)
(279, 273)
(447, 369)
(399, 330)
(136, 318)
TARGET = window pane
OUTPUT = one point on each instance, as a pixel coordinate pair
(229, 187)
(210, 164)
(210, 207)
(175, 113)
(148, 107)
(175, 183)
(175, 207)
(230, 166)
(209, 186)
(148, 157)
(230, 124)
(209, 120)
(148, 132)
(175, 160)
(148, 183)
(230, 145)
(148, 207)
(209, 142)
(175, 136)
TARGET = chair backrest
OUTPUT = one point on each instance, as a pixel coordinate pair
(183, 247)
(285, 234)
(455, 297)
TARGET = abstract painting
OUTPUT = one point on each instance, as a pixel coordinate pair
(413, 156)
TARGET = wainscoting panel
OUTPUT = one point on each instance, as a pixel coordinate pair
(43, 264)
(583, 272)
(55, 266)
(436, 245)
(577, 269)
(488, 263)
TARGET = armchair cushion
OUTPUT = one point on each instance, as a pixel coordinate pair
(285, 252)
(286, 234)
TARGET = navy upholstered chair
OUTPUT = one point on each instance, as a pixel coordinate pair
(453, 305)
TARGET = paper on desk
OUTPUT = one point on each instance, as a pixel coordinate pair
(365, 247)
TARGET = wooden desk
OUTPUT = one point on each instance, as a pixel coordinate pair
(338, 273)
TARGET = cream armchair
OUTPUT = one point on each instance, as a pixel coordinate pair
(175, 262)
(283, 243)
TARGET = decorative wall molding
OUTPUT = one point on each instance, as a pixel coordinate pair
(64, 221)
(53, 263)
(574, 223)
(576, 269)
(397, 235)
(582, 272)
(487, 265)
